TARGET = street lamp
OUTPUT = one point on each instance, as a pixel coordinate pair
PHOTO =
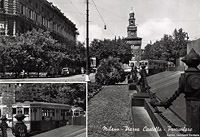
(87, 79)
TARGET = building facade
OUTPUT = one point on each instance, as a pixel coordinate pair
(133, 39)
(7, 98)
(19, 16)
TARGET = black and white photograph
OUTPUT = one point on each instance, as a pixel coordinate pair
(43, 109)
(100, 68)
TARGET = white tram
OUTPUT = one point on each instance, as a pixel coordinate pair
(42, 116)
(77, 111)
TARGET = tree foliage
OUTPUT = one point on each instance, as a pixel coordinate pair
(64, 93)
(169, 48)
(37, 51)
(110, 71)
(117, 48)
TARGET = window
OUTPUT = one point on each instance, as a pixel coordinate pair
(29, 13)
(1, 3)
(76, 113)
(48, 114)
(35, 110)
(42, 21)
(23, 10)
(47, 23)
(14, 110)
(26, 111)
(36, 5)
(36, 17)
(131, 22)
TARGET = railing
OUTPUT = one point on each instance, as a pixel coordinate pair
(189, 84)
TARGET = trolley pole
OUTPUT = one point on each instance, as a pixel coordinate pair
(87, 79)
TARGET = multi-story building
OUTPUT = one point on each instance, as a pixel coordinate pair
(19, 16)
(7, 98)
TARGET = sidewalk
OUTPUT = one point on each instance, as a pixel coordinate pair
(65, 131)
(9, 132)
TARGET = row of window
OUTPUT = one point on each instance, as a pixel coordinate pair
(159, 64)
(1, 3)
(29, 13)
(45, 112)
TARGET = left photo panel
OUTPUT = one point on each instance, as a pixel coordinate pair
(43, 109)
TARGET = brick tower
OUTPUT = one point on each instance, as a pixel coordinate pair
(133, 39)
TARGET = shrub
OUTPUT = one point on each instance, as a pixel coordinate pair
(93, 89)
(110, 72)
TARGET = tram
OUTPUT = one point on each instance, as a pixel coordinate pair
(155, 66)
(77, 111)
(42, 116)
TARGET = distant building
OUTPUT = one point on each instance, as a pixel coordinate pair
(7, 98)
(19, 16)
(133, 39)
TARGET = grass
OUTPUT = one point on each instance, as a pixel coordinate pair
(110, 108)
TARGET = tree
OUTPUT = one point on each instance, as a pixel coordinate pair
(117, 48)
(168, 48)
(64, 93)
(109, 72)
(37, 51)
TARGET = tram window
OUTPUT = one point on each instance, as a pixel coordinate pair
(81, 112)
(68, 113)
(26, 110)
(35, 110)
(76, 113)
(14, 110)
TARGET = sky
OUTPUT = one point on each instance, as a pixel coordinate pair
(154, 18)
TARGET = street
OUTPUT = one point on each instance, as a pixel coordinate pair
(75, 78)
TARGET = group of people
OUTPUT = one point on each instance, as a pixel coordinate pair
(138, 76)
(19, 129)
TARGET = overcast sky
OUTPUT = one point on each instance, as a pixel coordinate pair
(154, 18)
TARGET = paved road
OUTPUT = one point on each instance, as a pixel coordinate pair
(76, 78)
(66, 131)
(164, 85)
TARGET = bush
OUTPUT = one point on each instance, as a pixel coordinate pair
(93, 89)
(110, 72)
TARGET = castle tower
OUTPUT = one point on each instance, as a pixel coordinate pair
(133, 39)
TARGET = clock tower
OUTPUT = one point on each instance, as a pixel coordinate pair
(133, 39)
(132, 28)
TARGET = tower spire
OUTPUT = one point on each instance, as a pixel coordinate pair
(131, 10)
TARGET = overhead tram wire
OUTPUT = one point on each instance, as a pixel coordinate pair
(119, 17)
(112, 13)
(105, 26)
(77, 10)
(99, 14)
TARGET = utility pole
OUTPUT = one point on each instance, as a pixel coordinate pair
(87, 79)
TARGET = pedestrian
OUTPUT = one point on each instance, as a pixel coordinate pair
(20, 129)
(23, 73)
(142, 79)
(82, 70)
(4, 126)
